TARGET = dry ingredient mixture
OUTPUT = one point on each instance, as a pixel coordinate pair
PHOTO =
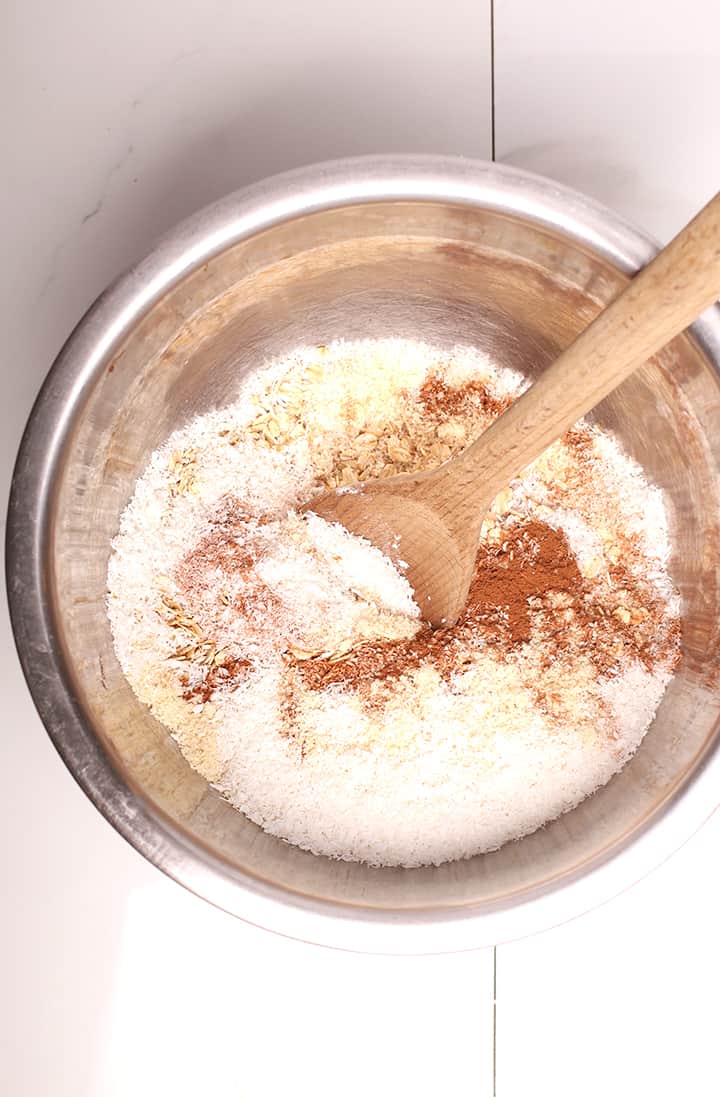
(288, 658)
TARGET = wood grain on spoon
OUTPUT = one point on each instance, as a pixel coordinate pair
(430, 521)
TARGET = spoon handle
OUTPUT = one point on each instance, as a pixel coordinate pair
(660, 301)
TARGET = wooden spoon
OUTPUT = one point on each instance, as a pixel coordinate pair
(429, 522)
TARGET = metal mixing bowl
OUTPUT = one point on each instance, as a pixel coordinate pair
(444, 250)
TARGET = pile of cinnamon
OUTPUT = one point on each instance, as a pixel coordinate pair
(529, 586)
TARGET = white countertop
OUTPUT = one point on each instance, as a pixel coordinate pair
(120, 120)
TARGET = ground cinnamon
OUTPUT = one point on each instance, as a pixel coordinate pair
(229, 551)
(441, 400)
(229, 673)
(531, 581)
(533, 561)
(527, 585)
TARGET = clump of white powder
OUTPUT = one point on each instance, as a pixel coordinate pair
(288, 658)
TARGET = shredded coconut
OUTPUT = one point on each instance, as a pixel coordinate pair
(288, 657)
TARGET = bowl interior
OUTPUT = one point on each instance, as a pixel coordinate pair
(447, 274)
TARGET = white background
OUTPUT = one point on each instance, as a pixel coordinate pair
(118, 120)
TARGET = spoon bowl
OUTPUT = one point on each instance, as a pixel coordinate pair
(397, 515)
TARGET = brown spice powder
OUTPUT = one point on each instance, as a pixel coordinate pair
(229, 673)
(536, 561)
(528, 585)
(530, 564)
(441, 400)
(530, 582)
(228, 552)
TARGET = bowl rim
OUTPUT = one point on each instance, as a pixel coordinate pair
(318, 187)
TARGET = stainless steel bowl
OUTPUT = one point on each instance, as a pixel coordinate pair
(445, 250)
